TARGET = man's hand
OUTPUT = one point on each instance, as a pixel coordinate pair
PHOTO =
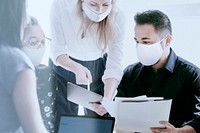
(169, 128)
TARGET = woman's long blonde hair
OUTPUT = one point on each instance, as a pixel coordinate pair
(106, 27)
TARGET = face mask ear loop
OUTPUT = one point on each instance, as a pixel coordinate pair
(165, 47)
(162, 43)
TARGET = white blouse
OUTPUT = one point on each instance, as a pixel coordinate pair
(65, 39)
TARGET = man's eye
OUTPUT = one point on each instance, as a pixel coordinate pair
(146, 42)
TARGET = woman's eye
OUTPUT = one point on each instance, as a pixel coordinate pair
(92, 4)
(105, 5)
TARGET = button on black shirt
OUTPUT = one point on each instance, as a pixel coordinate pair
(178, 80)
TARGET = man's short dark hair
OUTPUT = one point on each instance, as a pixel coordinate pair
(158, 19)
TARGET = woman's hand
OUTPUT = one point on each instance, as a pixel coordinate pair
(82, 75)
(99, 109)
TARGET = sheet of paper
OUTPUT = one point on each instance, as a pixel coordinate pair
(138, 113)
(139, 98)
(112, 107)
(140, 116)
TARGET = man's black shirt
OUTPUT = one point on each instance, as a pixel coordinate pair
(178, 80)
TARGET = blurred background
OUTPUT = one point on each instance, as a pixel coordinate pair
(184, 15)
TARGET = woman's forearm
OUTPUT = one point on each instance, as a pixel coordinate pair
(67, 63)
(110, 87)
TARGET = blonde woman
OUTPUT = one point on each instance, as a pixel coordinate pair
(87, 41)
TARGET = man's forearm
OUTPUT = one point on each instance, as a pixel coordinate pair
(186, 129)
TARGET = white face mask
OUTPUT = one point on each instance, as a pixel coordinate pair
(149, 54)
(35, 54)
(93, 15)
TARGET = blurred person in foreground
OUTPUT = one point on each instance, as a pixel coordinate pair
(19, 107)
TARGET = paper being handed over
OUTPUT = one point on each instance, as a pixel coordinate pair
(139, 113)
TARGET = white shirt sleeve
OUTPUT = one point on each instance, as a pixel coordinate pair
(114, 68)
(62, 28)
(58, 46)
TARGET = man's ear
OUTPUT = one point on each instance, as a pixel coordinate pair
(168, 40)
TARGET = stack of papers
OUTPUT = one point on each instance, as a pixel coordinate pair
(138, 114)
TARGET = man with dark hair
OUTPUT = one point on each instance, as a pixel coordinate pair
(161, 73)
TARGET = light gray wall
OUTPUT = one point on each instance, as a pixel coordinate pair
(185, 18)
(184, 14)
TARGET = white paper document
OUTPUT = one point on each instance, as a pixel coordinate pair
(139, 113)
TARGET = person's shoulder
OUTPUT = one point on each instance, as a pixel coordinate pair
(9, 52)
(15, 56)
(133, 68)
(65, 4)
(119, 21)
(22, 57)
(118, 13)
(187, 65)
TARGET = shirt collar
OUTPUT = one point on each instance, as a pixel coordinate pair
(171, 61)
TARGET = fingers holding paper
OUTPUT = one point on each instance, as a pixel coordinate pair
(169, 128)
